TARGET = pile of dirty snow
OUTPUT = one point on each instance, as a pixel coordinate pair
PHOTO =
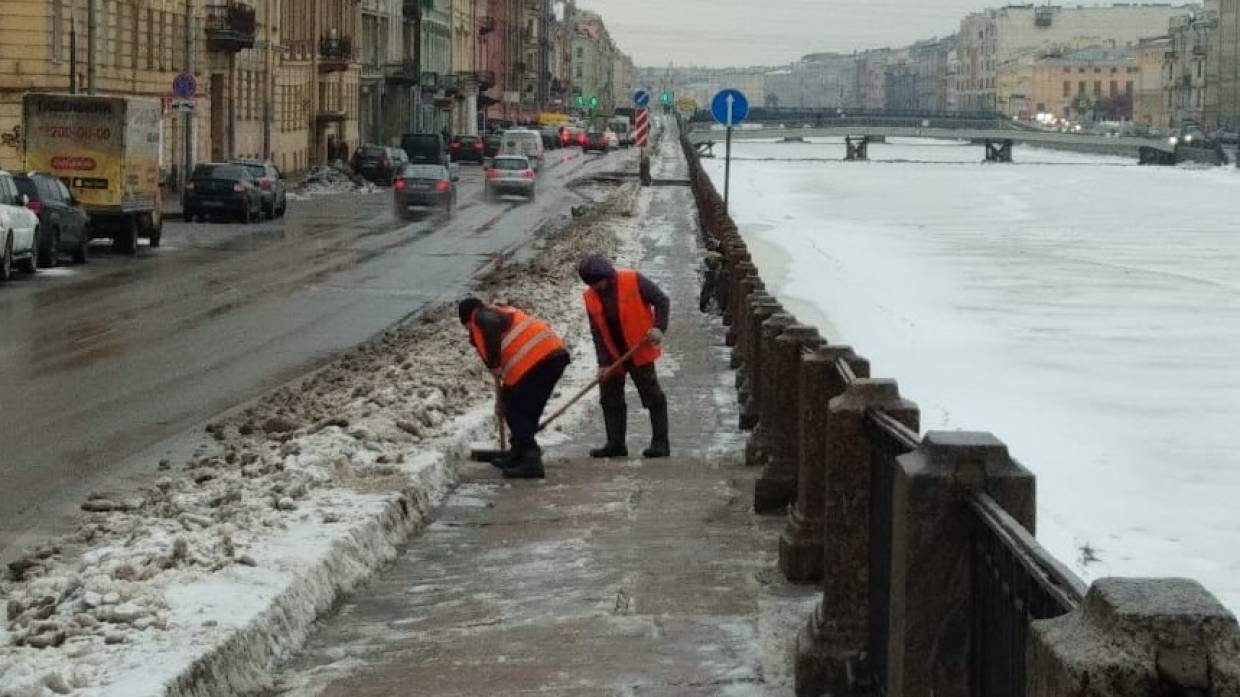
(273, 491)
(323, 180)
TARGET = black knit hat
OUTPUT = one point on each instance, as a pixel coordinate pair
(467, 307)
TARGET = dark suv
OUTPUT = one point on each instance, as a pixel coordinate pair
(378, 163)
(222, 191)
(425, 148)
(65, 226)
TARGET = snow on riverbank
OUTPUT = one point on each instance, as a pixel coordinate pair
(1084, 310)
(197, 583)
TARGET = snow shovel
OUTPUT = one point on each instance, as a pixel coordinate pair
(586, 390)
(493, 456)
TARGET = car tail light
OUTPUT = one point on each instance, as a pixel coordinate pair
(441, 185)
(584, 139)
(267, 184)
(477, 146)
(456, 146)
(492, 173)
(528, 174)
(239, 188)
(35, 206)
(399, 185)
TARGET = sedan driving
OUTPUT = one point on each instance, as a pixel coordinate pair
(421, 189)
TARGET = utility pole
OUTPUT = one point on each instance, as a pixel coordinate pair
(188, 117)
(91, 58)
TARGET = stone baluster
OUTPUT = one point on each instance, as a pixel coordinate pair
(762, 309)
(779, 428)
(801, 544)
(761, 344)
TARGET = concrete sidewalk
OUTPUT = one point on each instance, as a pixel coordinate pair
(609, 578)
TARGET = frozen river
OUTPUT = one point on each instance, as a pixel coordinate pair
(1083, 309)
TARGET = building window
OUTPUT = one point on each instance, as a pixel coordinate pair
(1097, 88)
(1114, 88)
(57, 30)
(1067, 88)
(1128, 87)
(1114, 70)
(1080, 87)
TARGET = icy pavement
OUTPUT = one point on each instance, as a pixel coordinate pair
(198, 582)
(609, 578)
(1084, 309)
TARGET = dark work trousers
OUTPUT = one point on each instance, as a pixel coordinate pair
(611, 394)
(525, 401)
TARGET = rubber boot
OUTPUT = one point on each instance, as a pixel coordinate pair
(659, 445)
(614, 421)
(528, 466)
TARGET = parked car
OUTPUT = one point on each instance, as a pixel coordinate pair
(490, 145)
(596, 142)
(511, 174)
(523, 142)
(222, 190)
(551, 137)
(64, 224)
(271, 183)
(613, 140)
(468, 149)
(19, 230)
(424, 188)
(378, 163)
(425, 148)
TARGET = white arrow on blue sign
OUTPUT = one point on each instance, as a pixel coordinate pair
(641, 98)
(729, 107)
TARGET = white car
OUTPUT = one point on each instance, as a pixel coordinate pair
(523, 142)
(613, 140)
(19, 230)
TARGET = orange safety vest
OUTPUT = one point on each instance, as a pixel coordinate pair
(636, 319)
(526, 342)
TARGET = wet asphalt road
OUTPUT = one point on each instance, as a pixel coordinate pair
(107, 366)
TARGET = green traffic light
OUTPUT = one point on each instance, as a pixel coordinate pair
(665, 97)
(581, 101)
(593, 102)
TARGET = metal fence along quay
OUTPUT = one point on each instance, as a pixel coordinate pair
(923, 544)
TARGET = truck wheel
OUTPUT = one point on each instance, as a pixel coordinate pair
(6, 259)
(125, 239)
(49, 251)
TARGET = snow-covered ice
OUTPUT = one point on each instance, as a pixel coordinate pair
(1084, 309)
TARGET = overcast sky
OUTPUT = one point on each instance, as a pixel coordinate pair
(772, 32)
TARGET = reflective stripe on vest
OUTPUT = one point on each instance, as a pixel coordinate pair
(636, 318)
(526, 342)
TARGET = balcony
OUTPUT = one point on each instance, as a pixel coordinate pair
(335, 53)
(486, 79)
(414, 7)
(403, 73)
(330, 114)
(450, 83)
(230, 26)
(486, 25)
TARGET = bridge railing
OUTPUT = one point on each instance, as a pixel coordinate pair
(932, 580)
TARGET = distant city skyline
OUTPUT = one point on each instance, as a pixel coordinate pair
(736, 33)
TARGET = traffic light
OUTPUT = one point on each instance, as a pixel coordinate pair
(665, 97)
(581, 101)
(593, 102)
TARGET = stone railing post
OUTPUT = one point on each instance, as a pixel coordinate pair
(930, 592)
(762, 344)
(800, 545)
(1137, 637)
(736, 266)
(757, 299)
(743, 284)
(748, 375)
(832, 644)
(779, 428)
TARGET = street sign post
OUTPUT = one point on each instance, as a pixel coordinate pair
(641, 129)
(730, 107)
(641, 98)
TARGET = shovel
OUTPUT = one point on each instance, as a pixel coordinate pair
(493, 456)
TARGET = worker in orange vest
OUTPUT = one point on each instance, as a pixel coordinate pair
(627, 310)
(529, 359)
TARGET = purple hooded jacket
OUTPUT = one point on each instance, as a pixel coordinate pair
(596, 268)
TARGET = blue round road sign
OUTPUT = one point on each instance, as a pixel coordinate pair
(641, 98)
(729, 107)
(184, 86)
